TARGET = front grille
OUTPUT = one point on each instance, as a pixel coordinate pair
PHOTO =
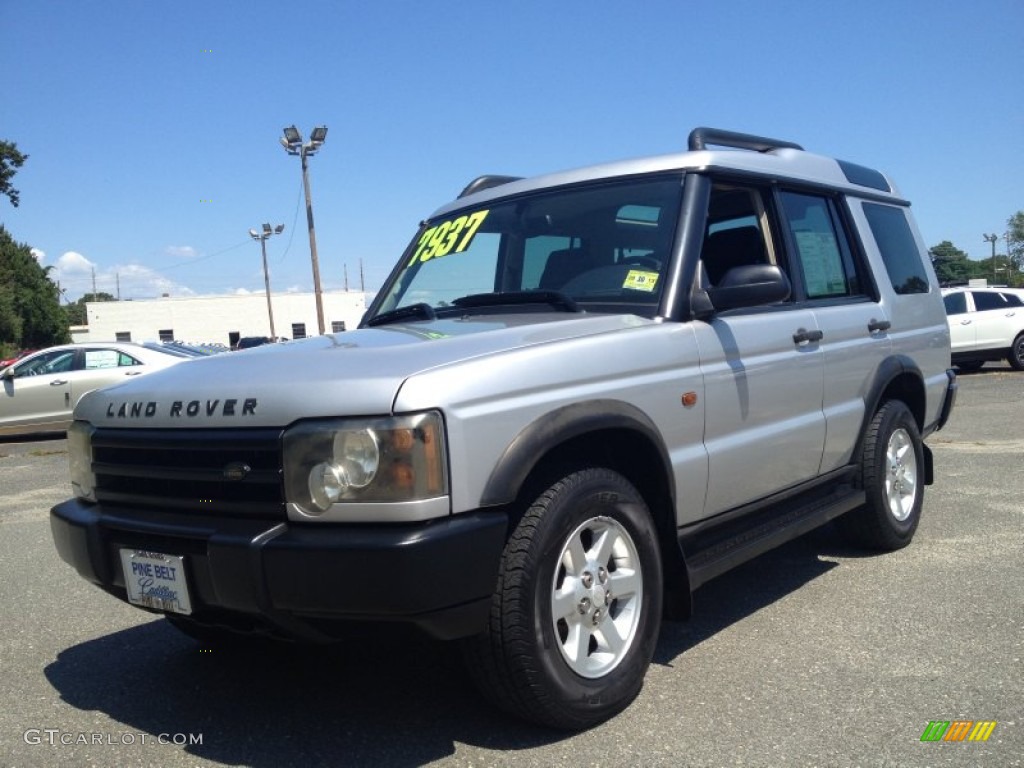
(191, 470)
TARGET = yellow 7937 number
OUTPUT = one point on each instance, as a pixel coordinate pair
(444, 238)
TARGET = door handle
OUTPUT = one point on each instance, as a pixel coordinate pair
(803, 336)
(132, 373)
(58, 382)
(879, 325)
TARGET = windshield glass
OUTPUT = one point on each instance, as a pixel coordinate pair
(603, 246)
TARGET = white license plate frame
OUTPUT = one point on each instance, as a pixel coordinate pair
(156, 580)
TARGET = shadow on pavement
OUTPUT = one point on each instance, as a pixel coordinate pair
(394, 698)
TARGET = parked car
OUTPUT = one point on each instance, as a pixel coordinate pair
(40, 391)
(247, 342)
(16, 358)
(985, 324)
(180, 349)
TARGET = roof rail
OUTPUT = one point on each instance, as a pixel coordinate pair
(486, 182)
(701, 137)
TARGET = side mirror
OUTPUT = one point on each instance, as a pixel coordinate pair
(750, 285)
(8, 373)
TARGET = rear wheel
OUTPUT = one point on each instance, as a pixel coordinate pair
(576, 611)
(892, 475)
(1016, 356)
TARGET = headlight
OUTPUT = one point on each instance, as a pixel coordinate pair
(83, 481)
(350, 462)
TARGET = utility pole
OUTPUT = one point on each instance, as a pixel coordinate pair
(294, 145)
(362, 283)
(345, 267)
(262, 237)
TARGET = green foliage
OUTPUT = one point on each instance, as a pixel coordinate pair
(950, 263)
(30, 312)
(76, 312)
(1015, 244)
(10, 161)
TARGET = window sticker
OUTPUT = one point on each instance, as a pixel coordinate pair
(452, 236)
(640, 280)
(823, 265)
(100, 358)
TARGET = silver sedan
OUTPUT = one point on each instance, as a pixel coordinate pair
(40, 391)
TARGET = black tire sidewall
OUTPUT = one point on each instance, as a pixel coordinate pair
(1016, 356)
(590, 494)
(892, 416)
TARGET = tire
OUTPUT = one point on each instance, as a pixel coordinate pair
(1016, 356)
(577, 607)
(970, 366)
(892, 475)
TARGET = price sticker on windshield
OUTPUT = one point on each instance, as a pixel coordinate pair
(446, 237)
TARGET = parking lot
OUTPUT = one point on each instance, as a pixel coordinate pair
(813, 655)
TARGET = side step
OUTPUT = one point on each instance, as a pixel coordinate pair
(711, 550)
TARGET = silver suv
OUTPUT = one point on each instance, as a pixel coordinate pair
(576, 399)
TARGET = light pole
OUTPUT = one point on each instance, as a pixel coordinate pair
(992, 239)
(262, 237)
(294, 145)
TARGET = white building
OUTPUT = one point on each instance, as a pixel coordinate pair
(220, 319)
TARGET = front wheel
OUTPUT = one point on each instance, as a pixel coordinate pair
(892, 475)
(577, 607)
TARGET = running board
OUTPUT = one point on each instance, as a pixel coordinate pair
(713, 550)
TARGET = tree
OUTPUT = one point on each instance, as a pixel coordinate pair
(76, 312)
(10, 161)
(951, 264)
(1015, 241)
(30, 313)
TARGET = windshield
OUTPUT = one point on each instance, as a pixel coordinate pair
(602, 247)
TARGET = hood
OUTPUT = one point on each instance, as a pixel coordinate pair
(347, 374)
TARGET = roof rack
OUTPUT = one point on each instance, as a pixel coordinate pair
(486, 182)
(701, 137)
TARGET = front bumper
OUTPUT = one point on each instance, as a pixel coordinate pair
(300, 580)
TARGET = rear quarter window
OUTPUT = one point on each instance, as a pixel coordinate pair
(896, 243)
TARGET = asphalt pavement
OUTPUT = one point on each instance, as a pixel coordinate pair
(815, 654)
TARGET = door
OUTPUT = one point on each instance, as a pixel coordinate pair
(962, 331)
(831, 280)
(765, 428)
(102, 367)
(763, 369)
(997, 318)
(39, 391)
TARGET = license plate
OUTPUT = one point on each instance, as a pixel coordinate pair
(156, 581)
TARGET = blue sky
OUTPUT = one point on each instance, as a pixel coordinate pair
(152, 125)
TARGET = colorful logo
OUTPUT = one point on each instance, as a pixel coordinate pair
(958, 730)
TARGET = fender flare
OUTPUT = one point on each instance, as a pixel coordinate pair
(525, 451)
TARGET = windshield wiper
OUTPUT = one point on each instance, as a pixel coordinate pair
(423, 311)
(555, 299)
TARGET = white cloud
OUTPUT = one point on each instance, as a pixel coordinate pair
(72, 262)
(242, 291)
(137, 281)
(39, 256)
(181, 251)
